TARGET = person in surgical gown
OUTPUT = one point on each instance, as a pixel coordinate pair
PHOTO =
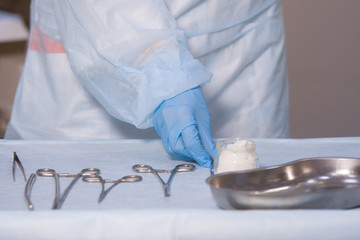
(109, 69)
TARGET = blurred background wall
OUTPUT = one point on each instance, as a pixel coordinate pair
(323, 56)
(14, 19)
(323, 52)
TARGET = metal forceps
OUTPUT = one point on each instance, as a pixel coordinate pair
(28, 187)
(142, 168)
(98, 179)
(17, 161)
(60, 198)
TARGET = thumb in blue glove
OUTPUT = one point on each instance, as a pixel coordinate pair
(183, 123)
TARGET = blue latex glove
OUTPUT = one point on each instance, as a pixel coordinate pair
(183, 123)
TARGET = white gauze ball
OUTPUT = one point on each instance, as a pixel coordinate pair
(238, 156)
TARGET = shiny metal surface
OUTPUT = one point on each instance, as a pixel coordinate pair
(17, 161)
(332, 183)
(28, 187)
(212, 172)
(142, 168)
(85, 172)
(98, 179)
(60, 198)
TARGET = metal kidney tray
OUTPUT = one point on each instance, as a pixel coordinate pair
(305, 183)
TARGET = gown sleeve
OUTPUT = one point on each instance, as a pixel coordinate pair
(129, 54)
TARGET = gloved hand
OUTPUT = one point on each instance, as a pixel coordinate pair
(183, 123)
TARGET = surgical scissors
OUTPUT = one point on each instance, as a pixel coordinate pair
(142, 168)
(98, 179)
(60, 198)
(17, 161)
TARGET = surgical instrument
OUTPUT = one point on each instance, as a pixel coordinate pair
(142, 168)
(98, 179)
(18, 162)
(28, 187)
(212, 166)
(60, 198)
(310, 183)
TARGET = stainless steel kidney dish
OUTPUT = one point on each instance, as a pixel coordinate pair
(305, 183)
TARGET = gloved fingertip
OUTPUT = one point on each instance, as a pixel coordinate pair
(206, 164)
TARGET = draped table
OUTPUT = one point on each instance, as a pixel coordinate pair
(140, 210)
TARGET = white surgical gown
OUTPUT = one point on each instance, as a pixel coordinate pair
(98, 68)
